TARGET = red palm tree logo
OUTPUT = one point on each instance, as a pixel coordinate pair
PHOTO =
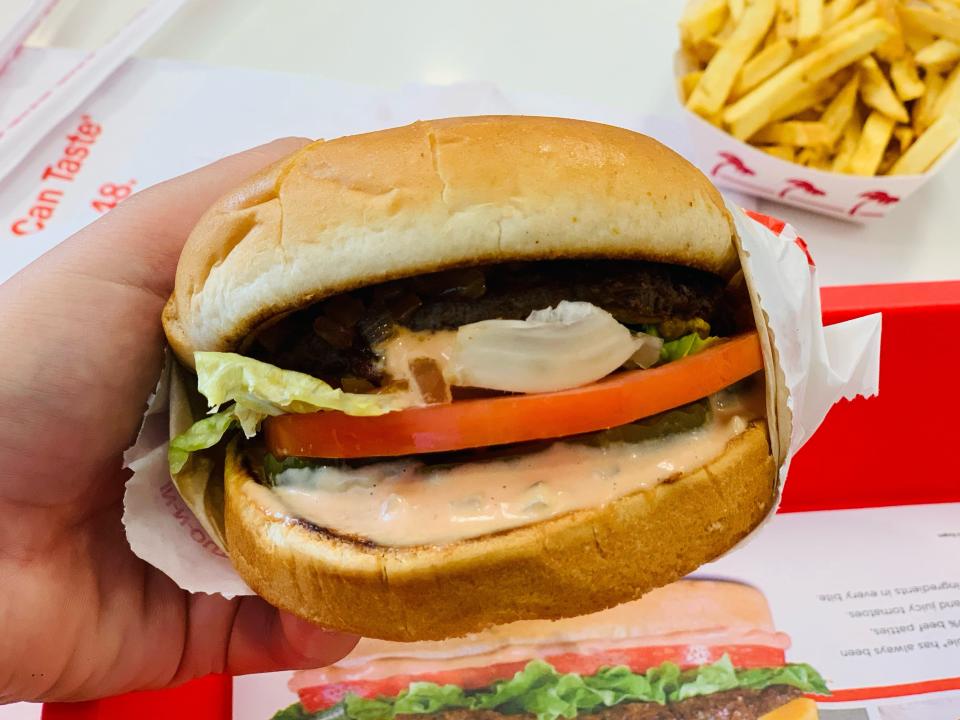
(731, 160)
(805, 186)
(874, 196)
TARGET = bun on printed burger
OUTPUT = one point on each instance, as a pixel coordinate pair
(471, 371)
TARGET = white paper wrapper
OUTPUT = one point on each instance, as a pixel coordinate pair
(819, 365)
(161, 529)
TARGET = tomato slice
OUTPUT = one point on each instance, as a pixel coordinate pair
(616, 400)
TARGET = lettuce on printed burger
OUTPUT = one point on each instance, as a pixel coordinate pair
(471, 371)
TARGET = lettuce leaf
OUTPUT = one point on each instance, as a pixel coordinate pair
(799, 675)
(257, 390)
(297, 712)
(686, 345)
(716, 677)
(421, 698)
(540, 690)
(201, 435)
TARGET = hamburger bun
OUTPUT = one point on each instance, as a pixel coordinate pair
(569, 565)
(434, 195)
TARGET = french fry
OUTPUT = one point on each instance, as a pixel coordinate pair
(723, 34)
(931, 21)
(701, 52)
(809, 19)
(689, 82)
(702, 20)
(717, 81)
(786, 25)
(848, 143)
(916, 39)
(837, 10)
(755, 109)
(876, 92)
(928, 147)
(810, 114)
(895, 46)
(939, 54)
(945, 6)
(815, 157)
(784, 152)
(923, 108)
(906, 79)
(873, 142)
(764, 64)
(859, 16)
(771, 36)
(886, 162)
(736, 9)
(904, 135)
(840, 109)
(948, 102)
(806, 101)
(794, 132)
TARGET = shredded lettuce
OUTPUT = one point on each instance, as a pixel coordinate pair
(681, 347)
(256, 390)
(540, 690)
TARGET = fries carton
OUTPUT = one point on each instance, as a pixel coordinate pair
(817, 88)
(734, 164)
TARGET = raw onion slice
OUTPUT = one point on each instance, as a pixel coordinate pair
(647, 352)
(573, 344)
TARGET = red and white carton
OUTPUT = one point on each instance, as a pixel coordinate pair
(737, 165)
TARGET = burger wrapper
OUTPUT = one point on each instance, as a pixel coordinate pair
(176, 524)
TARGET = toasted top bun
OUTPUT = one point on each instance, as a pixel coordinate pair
(433, 195)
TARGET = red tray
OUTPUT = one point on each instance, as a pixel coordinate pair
(887, 450)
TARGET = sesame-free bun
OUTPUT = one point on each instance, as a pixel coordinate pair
(367, 208)
(576, 563)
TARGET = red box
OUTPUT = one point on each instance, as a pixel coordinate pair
(888, 450)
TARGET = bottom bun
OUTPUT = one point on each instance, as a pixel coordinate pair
(573, 564)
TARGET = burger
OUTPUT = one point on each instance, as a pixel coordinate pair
(693, 650)
(468, 372)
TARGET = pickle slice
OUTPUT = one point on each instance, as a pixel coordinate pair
(681, 419)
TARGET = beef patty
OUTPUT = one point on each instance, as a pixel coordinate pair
(727, 705)
(332, 339)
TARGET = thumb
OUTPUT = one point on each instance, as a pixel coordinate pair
(265, 639)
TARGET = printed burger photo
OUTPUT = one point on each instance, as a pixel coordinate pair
(695, 649)
(472, 371)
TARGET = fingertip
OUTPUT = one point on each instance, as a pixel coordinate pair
(292, 141)
(314, 644)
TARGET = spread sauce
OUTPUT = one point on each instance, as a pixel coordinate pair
(405, 502)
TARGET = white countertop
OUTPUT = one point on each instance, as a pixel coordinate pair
(614, 53)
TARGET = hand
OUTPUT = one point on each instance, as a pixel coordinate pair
(80, 351)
